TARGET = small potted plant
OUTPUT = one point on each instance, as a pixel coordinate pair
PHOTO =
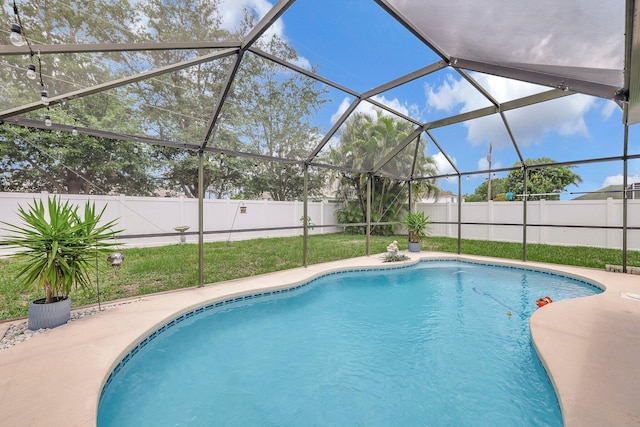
(417, 224)
(61, 248)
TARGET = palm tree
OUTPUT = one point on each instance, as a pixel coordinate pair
(363, 142)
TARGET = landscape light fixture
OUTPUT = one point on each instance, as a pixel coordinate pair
(47, 120)
(16, 35)
(115, 259)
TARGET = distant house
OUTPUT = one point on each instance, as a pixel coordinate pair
(163, 192)
(443, 197)
(633, 191)
(612, 192)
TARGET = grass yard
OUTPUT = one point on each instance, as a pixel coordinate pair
(149, 270)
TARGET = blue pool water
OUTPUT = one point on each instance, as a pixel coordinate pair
(430, 344)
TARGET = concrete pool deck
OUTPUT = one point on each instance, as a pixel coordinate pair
(590, 346)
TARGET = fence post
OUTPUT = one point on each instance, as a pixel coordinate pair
(608, 221)
(265, 215)
(322, 206)
(123, 214)
(542, 219)
(449, 217)
(296, 211)
(490, 220)
(524, 213)
(181, 208)
(230, 217)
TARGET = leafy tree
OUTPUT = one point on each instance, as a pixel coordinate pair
(37, 160)
(498, 186)
(34, 160)
(268, 110)
(177, 106)
(552, 179)
(280, 181)
(225, 171)
(271, 111)
(362, 142)
(68, 22)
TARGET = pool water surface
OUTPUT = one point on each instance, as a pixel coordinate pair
(440, 343)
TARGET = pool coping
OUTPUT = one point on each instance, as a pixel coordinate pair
(588, 345)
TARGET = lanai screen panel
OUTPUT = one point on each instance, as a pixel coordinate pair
(369, 40)
(547, 42)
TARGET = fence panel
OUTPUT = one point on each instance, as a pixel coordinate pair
(589, 213)
(158, 215)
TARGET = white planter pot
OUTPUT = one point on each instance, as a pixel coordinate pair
(43, 316)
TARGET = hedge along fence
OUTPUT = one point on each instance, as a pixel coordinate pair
(158, 217)
(596, 223)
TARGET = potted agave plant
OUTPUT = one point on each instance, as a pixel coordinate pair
(60, 247)
(417, 224)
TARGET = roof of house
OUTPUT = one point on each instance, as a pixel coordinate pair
(609, 192)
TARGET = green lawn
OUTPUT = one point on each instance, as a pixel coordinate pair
(152, 270)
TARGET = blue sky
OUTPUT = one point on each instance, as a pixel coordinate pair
(356, 44)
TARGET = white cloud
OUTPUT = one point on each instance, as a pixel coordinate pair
(302, 62)
(618, 180)
(444, 167)
(608, 109)
(232, 11)
(446, 96)
(483, 164)
(341, 109)
(564, 116)
(333, 143)
(370, 109)
(395, 104)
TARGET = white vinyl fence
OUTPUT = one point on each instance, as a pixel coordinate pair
(157, 215)
(597, 213)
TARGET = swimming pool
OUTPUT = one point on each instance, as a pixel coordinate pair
(438, 343)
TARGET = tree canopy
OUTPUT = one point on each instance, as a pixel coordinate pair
(542, 183)
(498, 186)
(268, 112)
(34, 160)
(363, 141)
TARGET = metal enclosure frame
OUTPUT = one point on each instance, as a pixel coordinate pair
(627, 96)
